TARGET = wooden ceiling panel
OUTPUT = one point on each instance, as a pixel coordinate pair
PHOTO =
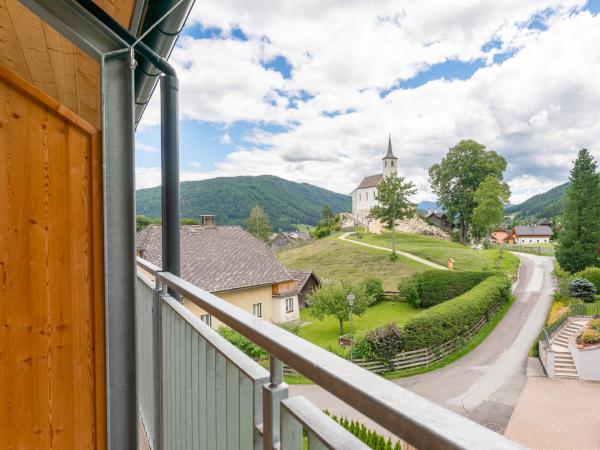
(41, 55)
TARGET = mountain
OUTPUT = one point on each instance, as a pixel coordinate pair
(548, 204)
(231, 199)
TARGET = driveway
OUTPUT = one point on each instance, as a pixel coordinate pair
(485, 384)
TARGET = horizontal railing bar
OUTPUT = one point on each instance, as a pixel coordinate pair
(148, 266)
(324, 428)
(244, 363)
(414, 419)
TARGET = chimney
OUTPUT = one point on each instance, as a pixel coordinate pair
(208, 221)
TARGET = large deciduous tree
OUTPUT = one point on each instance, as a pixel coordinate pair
(578, 242)
(456, 178)
(258, 224)
(332, 300)
(491, 196)
(393, 196)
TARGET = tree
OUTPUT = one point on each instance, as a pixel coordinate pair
(578, 242)
(491, 196)
(141, 222)
(332, 300)
(456, 178)
(392, 195)
(258, 223)
(327, 215)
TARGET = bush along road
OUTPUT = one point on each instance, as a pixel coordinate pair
(485, 384)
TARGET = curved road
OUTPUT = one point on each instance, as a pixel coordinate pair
(485, 384)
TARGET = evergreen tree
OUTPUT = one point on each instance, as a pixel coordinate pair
(578, 242)
(258, 223)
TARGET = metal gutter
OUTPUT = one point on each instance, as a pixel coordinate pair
(169, 135)
(162, 40)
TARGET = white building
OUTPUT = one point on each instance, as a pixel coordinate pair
(532, 235)
(363, 197)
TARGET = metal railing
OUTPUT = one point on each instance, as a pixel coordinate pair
(208, 394)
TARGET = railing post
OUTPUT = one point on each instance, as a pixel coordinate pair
(157, 365)
(273, 392)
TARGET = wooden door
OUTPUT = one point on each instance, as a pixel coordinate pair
(51, 279)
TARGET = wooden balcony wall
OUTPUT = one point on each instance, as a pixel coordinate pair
(285, 288)
(52, 380)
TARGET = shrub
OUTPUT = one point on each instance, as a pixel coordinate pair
(563, 278)
(432, 287)
(583, 289)
(363, 349)
(594, 324)
(589, 336)
(385, 341)
(243, 343)
(292, 327)
(455, 317)
(373, 288)
(592, 274)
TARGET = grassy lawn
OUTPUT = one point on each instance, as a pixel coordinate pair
(332, 259)
(325, 333)
(439, 251)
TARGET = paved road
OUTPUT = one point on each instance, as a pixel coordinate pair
(344, 237)
(485, 384)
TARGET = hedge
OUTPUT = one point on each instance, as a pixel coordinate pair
(454, 318)
(433, 287)
(592, 274)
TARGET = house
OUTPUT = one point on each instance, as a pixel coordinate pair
(307, 283)
(440, 220)
(501, 236)
(363, 197)
(531, 234)
(544, 222)
(232, 263)
(281, 240)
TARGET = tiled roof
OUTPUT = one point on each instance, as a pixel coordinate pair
(301, 276)
(371, 181)
(218, 259)
(533, 231)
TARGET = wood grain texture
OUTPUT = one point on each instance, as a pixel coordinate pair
(41, 55)
(51, 279)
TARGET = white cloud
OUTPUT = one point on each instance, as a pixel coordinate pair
(537, 108)
(145, 147)
(226, 139)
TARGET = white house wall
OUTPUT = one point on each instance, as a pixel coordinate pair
(533, 240)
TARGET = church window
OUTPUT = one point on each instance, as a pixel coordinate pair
(366, 196)
(392, 162)
(385, 162)
(359, 198)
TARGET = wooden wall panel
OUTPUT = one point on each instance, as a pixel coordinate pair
(51, 280)
(39, 54)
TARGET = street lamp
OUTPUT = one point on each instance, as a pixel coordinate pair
(351, 299)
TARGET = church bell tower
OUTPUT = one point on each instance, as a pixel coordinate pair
(390, 162)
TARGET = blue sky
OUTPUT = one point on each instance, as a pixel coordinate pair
(318, 108)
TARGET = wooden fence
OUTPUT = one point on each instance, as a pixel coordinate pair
(535, 249)
(422, 357)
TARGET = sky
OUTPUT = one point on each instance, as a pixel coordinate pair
(310, 90)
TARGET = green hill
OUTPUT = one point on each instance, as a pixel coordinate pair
(231, 199)
(548, 204)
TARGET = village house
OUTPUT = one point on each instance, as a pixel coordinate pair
(501, 236)
(232, 263)
(440, 220)
(307, 283)
(363, 197)
(531, 234)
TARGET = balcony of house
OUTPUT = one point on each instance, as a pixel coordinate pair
(197, 391)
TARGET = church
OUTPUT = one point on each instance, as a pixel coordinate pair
(363, 197)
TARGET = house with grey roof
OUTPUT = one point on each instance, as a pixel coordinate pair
(232, 264)
(537, 234)
(363, 197)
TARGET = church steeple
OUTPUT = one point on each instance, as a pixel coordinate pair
(389, 160)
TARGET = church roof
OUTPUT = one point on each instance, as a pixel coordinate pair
(390, 153)
(371, 181)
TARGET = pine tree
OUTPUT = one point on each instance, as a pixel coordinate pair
(388, 444)
(398, 446)
(578, 242)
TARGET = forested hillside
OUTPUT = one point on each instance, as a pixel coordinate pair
(231, 199)
(548, 204)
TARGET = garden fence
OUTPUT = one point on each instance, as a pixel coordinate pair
(422, 357)
(535, 249)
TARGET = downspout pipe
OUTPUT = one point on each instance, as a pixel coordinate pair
(169, 129)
